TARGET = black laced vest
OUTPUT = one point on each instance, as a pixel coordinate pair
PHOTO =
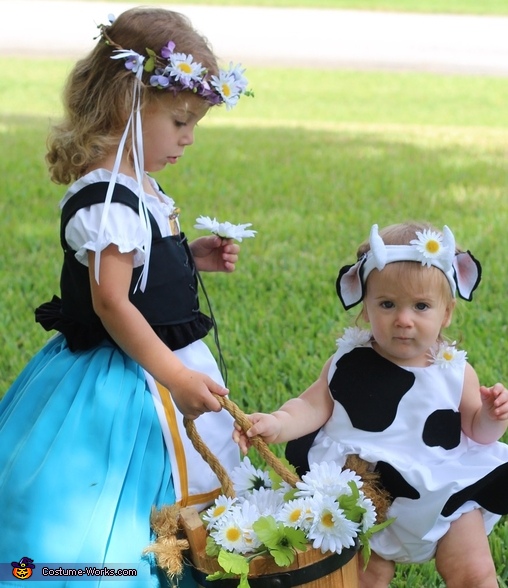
(169, 303)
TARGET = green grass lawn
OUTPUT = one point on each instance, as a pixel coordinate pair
(312, 161)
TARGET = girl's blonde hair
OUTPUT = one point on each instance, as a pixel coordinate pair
(99, 91)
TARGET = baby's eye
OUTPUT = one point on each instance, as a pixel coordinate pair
(180, 123)
(387, 304)
(421, 306)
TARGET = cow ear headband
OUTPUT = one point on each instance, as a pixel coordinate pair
(462, 270)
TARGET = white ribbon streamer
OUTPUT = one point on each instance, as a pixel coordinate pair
(133, 125)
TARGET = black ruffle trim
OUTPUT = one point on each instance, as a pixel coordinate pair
(82, 336)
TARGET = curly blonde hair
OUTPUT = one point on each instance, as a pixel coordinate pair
(99, 91)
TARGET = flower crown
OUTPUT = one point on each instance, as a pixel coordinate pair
(178, 72)
(431, 248)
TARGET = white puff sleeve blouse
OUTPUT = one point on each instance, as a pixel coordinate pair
(123, 226)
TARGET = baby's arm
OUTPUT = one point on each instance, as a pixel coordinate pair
(214, 254)
(295, 418)
(484, 411)
(191, 390)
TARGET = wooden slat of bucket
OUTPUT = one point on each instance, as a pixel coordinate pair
(344, 577)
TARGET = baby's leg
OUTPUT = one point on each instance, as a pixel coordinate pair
(379, 572)
(463, 555)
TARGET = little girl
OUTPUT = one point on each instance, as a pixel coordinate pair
(91, 433)
(407, 402)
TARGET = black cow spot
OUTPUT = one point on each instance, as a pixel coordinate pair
(489, 492)
(394, 483)
(442, 429)
(297, 452)
(369, 387)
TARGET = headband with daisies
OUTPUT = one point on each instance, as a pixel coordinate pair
(177, 72)
(431, 248)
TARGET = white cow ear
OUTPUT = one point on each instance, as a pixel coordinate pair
(467, 274)
(349, 284)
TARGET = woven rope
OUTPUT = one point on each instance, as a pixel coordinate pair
(241, 419)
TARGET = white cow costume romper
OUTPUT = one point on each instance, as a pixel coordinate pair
(405, 421)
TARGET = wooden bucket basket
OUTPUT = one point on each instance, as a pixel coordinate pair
(311, 568)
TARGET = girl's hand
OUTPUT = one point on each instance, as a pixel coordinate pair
(214, 254)
(495, 401)
(193, 392)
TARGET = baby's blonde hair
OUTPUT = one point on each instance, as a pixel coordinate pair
(410, 275)
(98, 93)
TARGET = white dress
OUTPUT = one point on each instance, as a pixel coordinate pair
(406, 421)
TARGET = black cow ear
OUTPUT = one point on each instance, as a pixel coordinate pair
(349, 284)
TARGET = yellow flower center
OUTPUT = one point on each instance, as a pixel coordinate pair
(185, 67)
(327, 519)
(432, 246)
(295, 515)
(219, 510)
(233, 534)
(226, 90)
(448, 355)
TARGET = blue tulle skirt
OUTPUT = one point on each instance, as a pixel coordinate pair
(82, 462)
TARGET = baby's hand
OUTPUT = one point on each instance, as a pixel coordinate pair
(264, 425)
(241, 439)
(495, 401)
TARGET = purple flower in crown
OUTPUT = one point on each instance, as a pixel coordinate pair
(167, 50)
(132, 63)
(159, 79)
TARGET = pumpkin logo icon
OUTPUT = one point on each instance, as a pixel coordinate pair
(22, 569)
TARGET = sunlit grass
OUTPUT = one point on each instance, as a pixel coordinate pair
(417, 6)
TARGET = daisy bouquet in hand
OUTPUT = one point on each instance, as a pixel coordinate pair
(326, 510)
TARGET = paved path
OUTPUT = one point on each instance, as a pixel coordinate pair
(301, 37)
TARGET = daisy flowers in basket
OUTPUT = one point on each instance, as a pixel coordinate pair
(327, 510)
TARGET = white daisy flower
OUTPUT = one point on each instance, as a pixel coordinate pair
(447, 354)
(221, 506)
(369, 516)
(235, 533)
(331, 530)
(205, 223)
(237, 71)
(296, 513)
(267, 501)
(430, 245)
(327, 478)
(226, 230)
(247, 478)
(184, 70)
(228, 87)
(353, 337)
(229, 534)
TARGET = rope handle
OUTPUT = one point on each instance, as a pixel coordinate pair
(264, 451)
